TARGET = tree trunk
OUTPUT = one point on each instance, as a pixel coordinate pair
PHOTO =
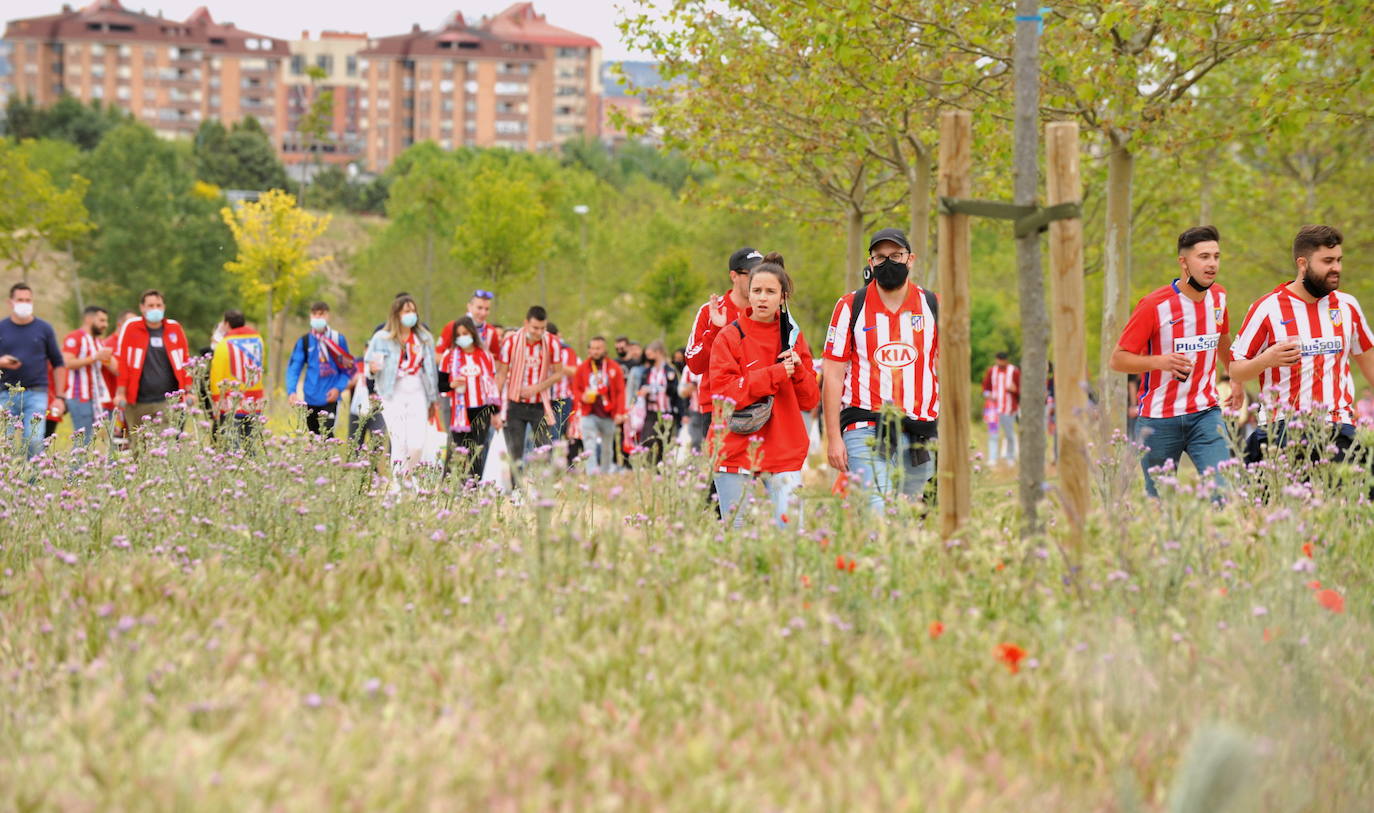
(278, 333)
(918, 180)
(1116, 289)
(1031, 279)
(854, 246)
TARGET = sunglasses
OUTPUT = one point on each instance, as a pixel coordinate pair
(481, 294)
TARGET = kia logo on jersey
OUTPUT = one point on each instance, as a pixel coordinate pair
(895, 355)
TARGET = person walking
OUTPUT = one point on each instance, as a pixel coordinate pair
(1002, 387)
(154, 358)
(526, 368)
(598, 387)
(560, 395)
(321, 369)
(236, 379)
(401, 357)
(27, 346)
(881, 373)
(659, 381)
(467, 372)
(761, 364)
(85, 357)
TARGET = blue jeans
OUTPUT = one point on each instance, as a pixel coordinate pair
(28, 408)
(1200, 435)
(598, 441)
(83, 420)
(877, 472)
(730, 486)
(1004, 437)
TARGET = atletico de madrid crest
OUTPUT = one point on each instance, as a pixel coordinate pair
(918, 321)
(1216, 315)
(1335, 314)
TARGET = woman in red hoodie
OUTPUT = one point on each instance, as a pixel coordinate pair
(763, 355)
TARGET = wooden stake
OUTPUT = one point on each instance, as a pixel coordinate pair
(1063, 185)
(956, 141)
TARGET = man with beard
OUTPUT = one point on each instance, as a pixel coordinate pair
(1299, 338)
(881, 385)
(84, 354)
(1174, 340)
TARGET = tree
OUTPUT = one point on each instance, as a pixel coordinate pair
(35, 211)
(66, 120)
(315, 125)
(241, 157)
(423, 204)
(155, 228)
(273, 236)
(503, 224)
(669, 291)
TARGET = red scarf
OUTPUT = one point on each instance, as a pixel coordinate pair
(412, 356)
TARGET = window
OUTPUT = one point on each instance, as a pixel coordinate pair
(325, 62)
(98, 71)
(74, 69)
(217, 41)
(511, 89)
(426, 85)
(570, 52)
(123, 92)
(96, 49)
(446, 86)
(297, 64)
(446, 105)
(351, 65)
(125, 51)
(470, 86)
(469, 124)
(97, 91)
(124, 72)
(470, 105)
(510, 127)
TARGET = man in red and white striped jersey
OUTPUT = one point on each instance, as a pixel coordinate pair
(880, 380)
(1174, 340)
(718, 312)
(565, 359)
(1299, 338)
(86, 391)
(526, 368)
(1002, 389)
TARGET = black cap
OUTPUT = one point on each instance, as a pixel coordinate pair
(889, 236)
(745, 259)
(1002, 356)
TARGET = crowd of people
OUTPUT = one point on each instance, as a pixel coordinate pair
(743, 390)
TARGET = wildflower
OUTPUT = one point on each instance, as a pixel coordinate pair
(936, 630)
(1307, 549)
(1314, 585)
(1331, 600)
(805, 580)
(841, 486)
(1011, 655)
(1258, 611)
(839, 562)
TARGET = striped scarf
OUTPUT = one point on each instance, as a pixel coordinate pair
(412, 356)
(459, 421)
(657, 381)
(519, 368)
(327, 343)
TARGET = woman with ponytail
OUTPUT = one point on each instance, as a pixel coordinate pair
(760, 363)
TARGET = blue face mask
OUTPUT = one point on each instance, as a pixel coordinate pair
(153, 315)
(464, 341)
(409, 319)
(318, 324)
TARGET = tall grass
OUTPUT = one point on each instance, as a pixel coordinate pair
(203, 629)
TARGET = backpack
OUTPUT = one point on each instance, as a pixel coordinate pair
(862, 294)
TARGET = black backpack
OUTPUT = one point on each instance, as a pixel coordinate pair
(862, 294)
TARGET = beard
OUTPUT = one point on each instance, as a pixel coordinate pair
(1317, 283)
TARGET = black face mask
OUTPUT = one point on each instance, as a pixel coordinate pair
(890, 274)
(1192, 283)
(1316, 290)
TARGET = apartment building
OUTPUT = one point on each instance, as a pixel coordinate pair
(171, 74)
(511, 80)
(334, 59)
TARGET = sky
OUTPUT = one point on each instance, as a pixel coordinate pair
(287, 20)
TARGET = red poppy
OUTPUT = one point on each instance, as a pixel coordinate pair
(785, 520)
(1331, 600)
(1011, 655)
(839, 562)
(936, 630)
(1268, 635)
(852, 564)
(1307, 549)
(806, 580)
(1001, 565)
(1314, 585)
(841, 486)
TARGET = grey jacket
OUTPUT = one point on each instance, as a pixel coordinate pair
(386, 349)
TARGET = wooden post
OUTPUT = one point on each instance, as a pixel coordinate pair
(956, 140)
(1063, 185)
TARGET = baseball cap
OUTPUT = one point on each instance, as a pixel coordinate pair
(891, 236)
(745, 259)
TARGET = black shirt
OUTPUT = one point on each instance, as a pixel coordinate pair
(157, 378)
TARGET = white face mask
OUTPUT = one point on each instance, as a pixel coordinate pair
(464, 341)
(23, 309)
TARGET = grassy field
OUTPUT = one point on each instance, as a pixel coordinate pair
(206, 630)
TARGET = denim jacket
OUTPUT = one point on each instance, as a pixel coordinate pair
(388, 350)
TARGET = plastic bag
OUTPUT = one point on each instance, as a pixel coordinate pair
(497, 470)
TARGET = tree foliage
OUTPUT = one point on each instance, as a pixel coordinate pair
(239, 157)
(66, 120)
(34, 210)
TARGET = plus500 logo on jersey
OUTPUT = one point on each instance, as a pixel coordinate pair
(1322, 347)
(895, 355)
(1197, 344)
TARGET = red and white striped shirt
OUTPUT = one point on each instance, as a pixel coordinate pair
(537, 362)
(562, 388)
(1002, 386)
(1167, 321)
(1329, 331)
(472, 377)
(893, 357)
(84, 383)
